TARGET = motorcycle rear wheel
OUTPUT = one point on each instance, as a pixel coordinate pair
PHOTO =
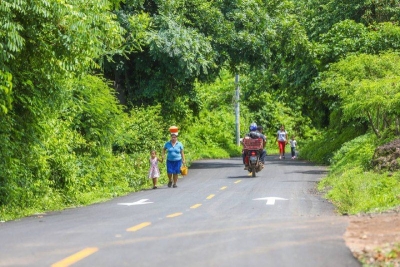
(253, 171)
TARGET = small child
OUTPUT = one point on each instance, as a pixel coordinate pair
(293, 145)
(154, 171)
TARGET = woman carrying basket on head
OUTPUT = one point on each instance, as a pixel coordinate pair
(175, 157)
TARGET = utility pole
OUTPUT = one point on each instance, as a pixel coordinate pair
(237, 112)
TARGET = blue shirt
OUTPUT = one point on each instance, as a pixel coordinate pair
(173, 152)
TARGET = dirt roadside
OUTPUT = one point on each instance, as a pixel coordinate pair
(374, 239)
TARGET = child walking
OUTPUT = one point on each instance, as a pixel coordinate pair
(293, 145)
(154, 171)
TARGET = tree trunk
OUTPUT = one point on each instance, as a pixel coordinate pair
(377, 120)
(120, 90)
(376, 131)
(386, 120)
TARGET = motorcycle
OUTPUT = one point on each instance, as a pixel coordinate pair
(252, 149)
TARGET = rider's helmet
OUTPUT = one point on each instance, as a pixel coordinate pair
(253, 127)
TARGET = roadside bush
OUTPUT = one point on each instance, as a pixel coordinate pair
(321, 148)
(355, 153)
(140, 131)
(352, 187)
(212, 136)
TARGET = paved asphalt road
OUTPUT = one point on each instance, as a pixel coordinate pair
(218, 216)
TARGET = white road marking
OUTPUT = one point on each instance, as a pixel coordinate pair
(140, 202)
(270, 200)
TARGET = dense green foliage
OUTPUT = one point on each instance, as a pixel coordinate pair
(47, 49)
(191, 41)
(88, 88)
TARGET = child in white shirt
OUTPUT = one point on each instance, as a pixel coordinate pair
(293, 145)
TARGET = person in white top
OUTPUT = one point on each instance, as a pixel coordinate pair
(282, 139)
(293, 145)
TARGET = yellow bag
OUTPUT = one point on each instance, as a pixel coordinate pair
(184, 170)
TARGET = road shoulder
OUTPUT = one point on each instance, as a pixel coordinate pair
(374, 239)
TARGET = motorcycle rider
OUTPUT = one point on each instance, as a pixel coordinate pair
(253, 131)
(254, 134)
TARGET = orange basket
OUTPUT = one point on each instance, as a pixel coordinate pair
(184, 170)
(252, 144)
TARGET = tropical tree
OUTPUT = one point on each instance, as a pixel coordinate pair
(367, 88)
(193, 40)
(46, 47)
(337, 29)
(319, 16)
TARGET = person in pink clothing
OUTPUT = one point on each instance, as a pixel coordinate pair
(154, 171)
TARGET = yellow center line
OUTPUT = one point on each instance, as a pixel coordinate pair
(75, 257)
(174, 215)
(223, 188)
(238, 181)
(138, 227)
(195, 206)
(210, 196)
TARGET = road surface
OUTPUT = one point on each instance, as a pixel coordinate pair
(218, 216)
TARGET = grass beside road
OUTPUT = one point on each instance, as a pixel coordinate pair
(353, 186)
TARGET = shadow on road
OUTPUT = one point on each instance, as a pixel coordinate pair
(241, 176)
(323, 172)
(274, 159)
(214, 164)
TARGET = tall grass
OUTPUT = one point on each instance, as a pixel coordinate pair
(353, 187)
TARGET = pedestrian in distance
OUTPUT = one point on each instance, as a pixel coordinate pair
(293, 145)
(154, 171)
(282, 139)
(175, 157)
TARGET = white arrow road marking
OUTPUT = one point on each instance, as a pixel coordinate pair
(270, 200)
(140, 202)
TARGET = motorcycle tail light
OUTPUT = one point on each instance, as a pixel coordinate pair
(253, 153)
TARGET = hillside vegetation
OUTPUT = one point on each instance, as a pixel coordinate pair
(88, 89)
